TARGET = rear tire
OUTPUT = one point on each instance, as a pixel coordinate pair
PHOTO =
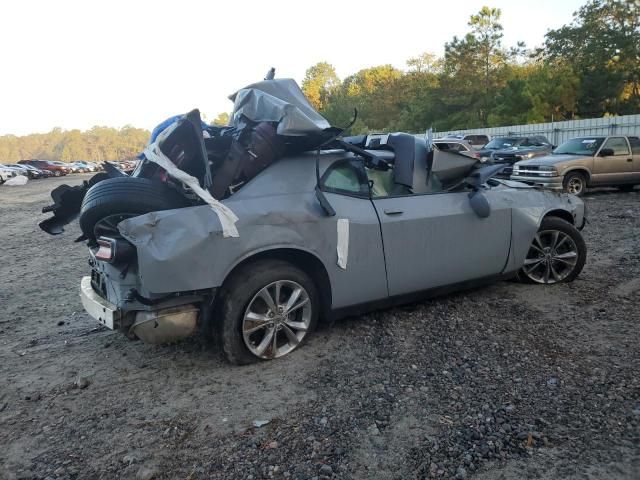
(238, 299)
(575, 183)
(124, 197)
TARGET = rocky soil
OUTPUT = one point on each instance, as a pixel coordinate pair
(506, 382)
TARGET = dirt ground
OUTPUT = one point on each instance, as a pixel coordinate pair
(506, 382)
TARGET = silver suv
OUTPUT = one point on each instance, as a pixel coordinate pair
(585, 162)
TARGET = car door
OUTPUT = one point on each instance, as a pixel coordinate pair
(435, 239)
(364, 279)
(616, 168)
(634, 142)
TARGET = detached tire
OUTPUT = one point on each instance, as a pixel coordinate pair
(266, 310)
(110, 201)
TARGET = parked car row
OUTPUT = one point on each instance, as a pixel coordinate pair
(595, 161)
(579, 163)
(36, 169)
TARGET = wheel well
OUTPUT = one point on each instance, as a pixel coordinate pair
(579, 170)
(305, 261)
(563, 214)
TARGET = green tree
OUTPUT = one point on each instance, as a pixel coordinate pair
(319, 81)
(474, 70)
(602, 46)
(221, 120)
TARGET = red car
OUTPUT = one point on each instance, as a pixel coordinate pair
(57, 168)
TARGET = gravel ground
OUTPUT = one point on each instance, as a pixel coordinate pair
(506, 382)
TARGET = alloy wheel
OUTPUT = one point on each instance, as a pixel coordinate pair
(552, 256)
(277, 319)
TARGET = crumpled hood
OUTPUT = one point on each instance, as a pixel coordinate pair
(279, 100)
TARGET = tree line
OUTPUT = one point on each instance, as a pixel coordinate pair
(588, 68)
(96, 144)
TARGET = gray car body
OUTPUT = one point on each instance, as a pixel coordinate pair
(396, 245)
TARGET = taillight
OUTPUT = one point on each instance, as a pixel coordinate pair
(106, 249)
(113, 250)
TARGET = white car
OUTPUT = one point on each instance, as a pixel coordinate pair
(6, 173)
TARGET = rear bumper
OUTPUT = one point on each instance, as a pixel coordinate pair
(553, 183)
(97, 307)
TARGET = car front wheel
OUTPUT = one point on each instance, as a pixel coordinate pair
(575, 183)
(557, 253)
(265, 311)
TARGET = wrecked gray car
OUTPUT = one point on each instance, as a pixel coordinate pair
(253, 232)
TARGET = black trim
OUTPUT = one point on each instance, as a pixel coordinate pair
(389, 302)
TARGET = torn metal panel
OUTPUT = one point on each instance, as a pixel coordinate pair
(279, 101)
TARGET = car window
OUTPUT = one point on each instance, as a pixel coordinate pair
(580, 146)
(618, 145)
(451, 146)
(346, 177)
(478, 139)
(503, 142)
(635, 145)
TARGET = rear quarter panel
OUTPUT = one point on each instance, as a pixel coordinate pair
(184, 249)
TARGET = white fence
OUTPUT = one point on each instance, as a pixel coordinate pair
(558, 132)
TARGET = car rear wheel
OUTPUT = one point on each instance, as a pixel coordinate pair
(265, 311)
(575, 183)
(557, 253)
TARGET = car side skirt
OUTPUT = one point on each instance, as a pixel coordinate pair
(360, 309)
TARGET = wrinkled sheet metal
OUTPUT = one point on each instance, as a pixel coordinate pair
(279, 101)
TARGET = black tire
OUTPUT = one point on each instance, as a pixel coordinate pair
(575, 183)
(555, 224)
(626, 188)
(238, 292)
(126, 197)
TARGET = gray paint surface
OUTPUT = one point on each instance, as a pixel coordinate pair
(435, 241)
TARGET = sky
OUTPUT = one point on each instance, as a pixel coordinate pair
(76, 64)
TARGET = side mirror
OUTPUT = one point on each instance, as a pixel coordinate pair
(479, 204)
(606, 152)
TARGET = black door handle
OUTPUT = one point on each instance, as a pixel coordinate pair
(393, 212)
(629, 159)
